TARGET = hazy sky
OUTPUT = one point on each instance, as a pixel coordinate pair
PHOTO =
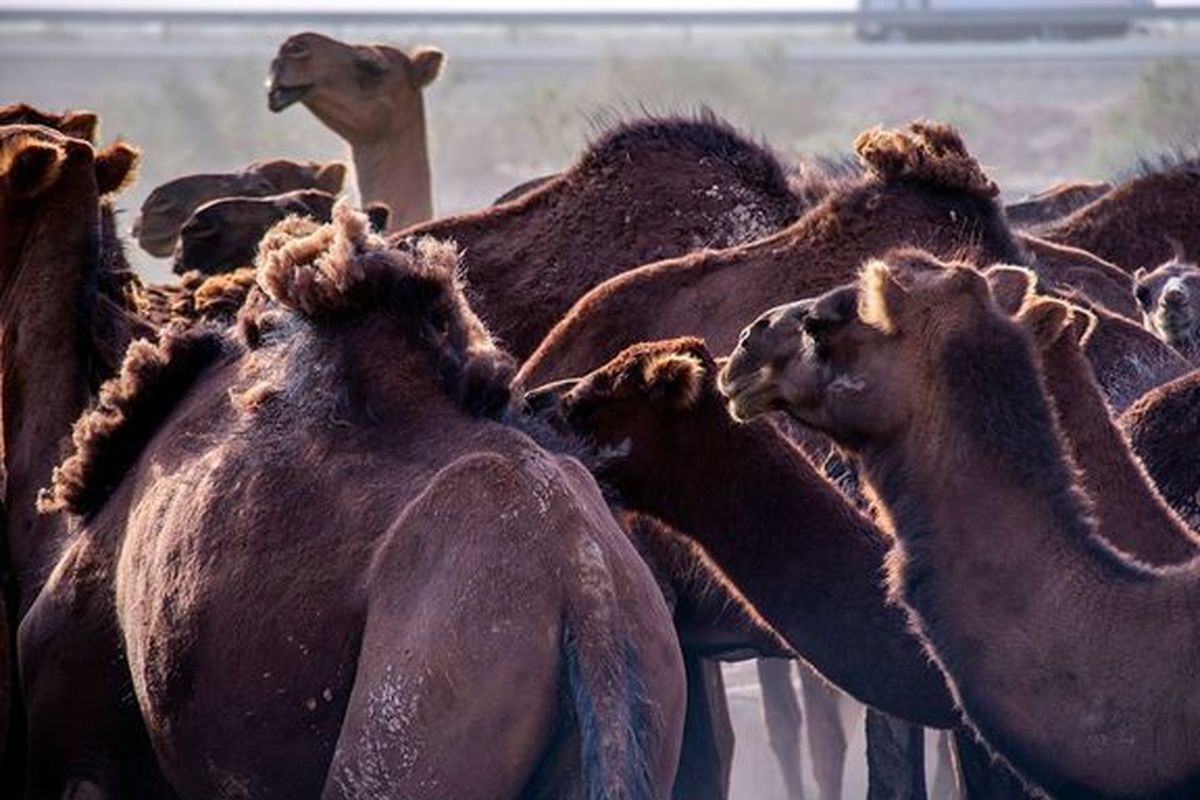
(463, 5)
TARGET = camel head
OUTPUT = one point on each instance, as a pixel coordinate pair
(1169, 297)
(168, 207)
(223, 234)
(638, 407)
(405, 296)
(361, 92)
(865, 358)
(43, 173)
(75, 124)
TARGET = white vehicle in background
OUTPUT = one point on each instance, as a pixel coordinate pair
(997, 19)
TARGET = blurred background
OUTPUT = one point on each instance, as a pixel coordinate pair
(1043, 91)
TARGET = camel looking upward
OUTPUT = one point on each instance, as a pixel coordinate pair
(370, 95)
(1039, 625)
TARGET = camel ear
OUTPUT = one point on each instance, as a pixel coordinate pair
(377, 215)
(711, 616)
(674, 378)
(425, 64)
(80, 125)
(1139, 274)
(881, 299)
(116, 167)
(1011, 286)
(34, 168)
(1046, 319)
(330, 177)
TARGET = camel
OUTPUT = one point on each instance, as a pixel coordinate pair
(1133, 224)
(1162, 428)
(921, 187)
(647, 189)
(1169, 297)
(167, 207)
(1071, 272)
(1054, 202)
(223, 235)
(367, 363)
(372, 97)
(1014, 628)
(811, 567)
(63, 319)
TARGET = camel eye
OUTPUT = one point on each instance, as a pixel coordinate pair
(294, 50)
(1143, 296)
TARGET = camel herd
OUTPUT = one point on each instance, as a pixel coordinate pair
(373, 504)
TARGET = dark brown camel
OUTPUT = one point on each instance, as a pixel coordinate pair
(646, 190)
(1053, 202)
(922, 187)
(1133, 225)
(1163, 428)
(63, 320)
(1169, 299)
(223, 235)
(1037, 637)
(1072, 272)
(369, 367)
(168, 207)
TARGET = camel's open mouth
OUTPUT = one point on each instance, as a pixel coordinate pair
(280, 97)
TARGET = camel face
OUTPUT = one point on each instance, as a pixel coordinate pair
(224, 234)
(359, 91)
(1170, 301)
(169, 206)
(640, 396)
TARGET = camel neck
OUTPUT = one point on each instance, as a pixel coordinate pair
(811, 563)
(45, 380)
(394, 169)
(1130, 512)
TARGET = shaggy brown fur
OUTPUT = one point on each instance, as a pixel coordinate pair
(1038, 635)
(1053, 203)
(920, 189)
(1163, 428)
(339, 496)
(1133, 225)
(646, 190)
(83, 125)
(109, 438)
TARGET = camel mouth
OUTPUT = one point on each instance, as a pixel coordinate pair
(280, 97)
(157, 246)
(749, 394)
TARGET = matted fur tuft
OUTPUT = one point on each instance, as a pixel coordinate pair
(109, 438)
(221, 296)
(677, 378)
(339, 269)
(931, 152)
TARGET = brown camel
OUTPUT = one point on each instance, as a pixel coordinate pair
(922, 187)
(223, 235)
(939, 394)
(369, 368)
(1132, 225)
(372, 97)
(75, 124)
(1071, 272)
(1053, 202)
(63, 319)
(646, 190)
(1169, 297)
(1163, 428)
(168, 207)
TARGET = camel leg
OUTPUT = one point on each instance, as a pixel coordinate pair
(984, 777)
(784, 718)
(895, 758)
(945, 779)
(826, 736)
(707, 754)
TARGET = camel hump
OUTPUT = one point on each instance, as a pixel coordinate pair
(927, 151)
(341, 268)
(108, 440)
